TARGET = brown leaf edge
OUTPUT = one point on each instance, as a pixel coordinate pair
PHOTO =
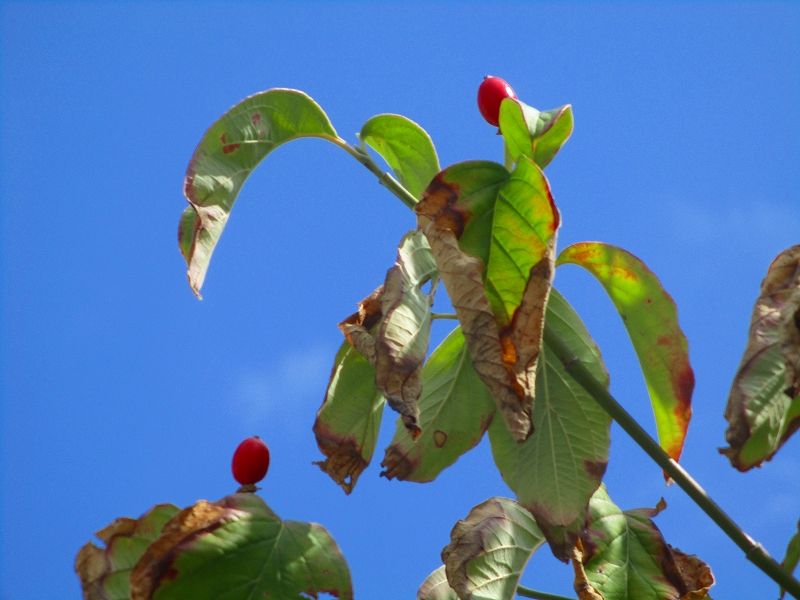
(93, 564)
(769, 325)
(497, 360)
(687, 573)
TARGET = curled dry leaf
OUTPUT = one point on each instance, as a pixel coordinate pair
(764, 404)
(499, 290)
(392, 328)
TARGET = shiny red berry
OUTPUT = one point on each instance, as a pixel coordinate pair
(492, 91)
(250, 461)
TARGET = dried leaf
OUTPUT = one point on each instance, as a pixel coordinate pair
(496, 260)
(624, 556)
(392, 328)
(347, 423)
(105, 572)
(764, 404)
(489, 550)
(239, 544)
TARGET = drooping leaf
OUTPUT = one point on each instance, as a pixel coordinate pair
(400, 312)
(536, 134)
(651, 318)
(223, 160)
(792, 558)
(436, 587)
(496, 260)
(349, 419)
(489, 550)
(556, 470)
(622, 555)
(764, 403)
(455, 410)
(406, 147)
(238, 549)
(105, 572)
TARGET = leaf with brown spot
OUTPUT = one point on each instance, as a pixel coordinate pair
(763, 408)
(555, 472)
(651, 319)
(493, 237)
(489, 550)
(624, 556)
(436, 587)
(238, 548)
(227, 154)
(348, 422)
(455, 410)
(105, 572)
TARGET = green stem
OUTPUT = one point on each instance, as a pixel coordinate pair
(384, 178)
(443, 316)
(753, 551)
(529, 593)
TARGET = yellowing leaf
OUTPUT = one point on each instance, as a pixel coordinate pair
(651, 318)
(764, 403)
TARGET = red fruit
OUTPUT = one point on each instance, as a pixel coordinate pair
(250, 461)
(492, 91)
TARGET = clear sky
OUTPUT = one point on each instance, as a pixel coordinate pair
(120, 390)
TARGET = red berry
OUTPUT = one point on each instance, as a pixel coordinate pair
(492, 91)
(250, 461)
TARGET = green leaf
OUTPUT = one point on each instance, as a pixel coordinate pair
(489, 550)
(792, 558)
(763, 408)
(523, 232)
(238, 549)
(536, 134)
(455, 410)
(227, 154)
(349, 419)
(105, 572)
(626, 557)
(651, 318)
(436, 587)
(406, 147)
(557, 469)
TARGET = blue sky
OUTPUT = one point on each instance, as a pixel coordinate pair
(120, 390)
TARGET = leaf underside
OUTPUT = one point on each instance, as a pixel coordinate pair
(763, 408)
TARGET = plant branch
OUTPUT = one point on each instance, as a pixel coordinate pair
(384, 178)
(753, 551)
(529, 593)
